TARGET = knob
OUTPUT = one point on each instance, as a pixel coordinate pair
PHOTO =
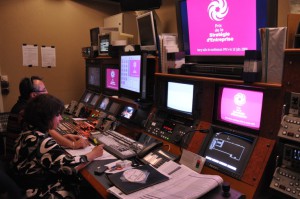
(226, 189)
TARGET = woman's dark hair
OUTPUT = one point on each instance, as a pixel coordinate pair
(41, 110)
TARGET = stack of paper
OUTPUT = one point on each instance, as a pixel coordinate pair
(183, 183)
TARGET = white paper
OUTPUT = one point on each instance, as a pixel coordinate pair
(76, 152)
(48, 56)
(184, 183)
(30, 55)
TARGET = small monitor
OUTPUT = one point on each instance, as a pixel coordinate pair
(147, 31)
(131, 67)
(104, 103)
(93, 77)
(114, 108)
(111, 80)
(104, 42)
(228, 151)
(127, 112)
(239, 107)
(182, 91)
(94, 36)
(94, 100)
(86, 97)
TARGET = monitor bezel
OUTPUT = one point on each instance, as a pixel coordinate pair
(84, 95)
(100, 38)
(161, 101)
(92, 87)
(151, 47)
(269, 8)
(230, 133)
(128, 93)
(109, 91)
(217, 106)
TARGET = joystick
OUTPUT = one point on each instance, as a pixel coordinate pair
(226, 189)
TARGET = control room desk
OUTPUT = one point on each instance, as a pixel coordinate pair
(101, 183)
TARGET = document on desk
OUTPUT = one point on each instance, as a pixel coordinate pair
(184, 183)
(105, 156)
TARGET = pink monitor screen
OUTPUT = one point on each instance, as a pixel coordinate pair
(241, 107)
(112, 78)
(222, 27)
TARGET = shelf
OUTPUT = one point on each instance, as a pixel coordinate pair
(221, 80)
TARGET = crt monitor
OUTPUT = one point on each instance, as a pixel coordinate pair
(221, 31)
(104, 42)
(238, 107)
(147, 31)
(227, 150)
(167, 92)
(111, 80)
(133, 76)
(94, 100)
(103, 103)
(93, 77)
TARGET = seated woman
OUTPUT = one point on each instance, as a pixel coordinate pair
(43, 168)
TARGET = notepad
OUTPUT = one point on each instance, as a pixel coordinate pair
(135, 182)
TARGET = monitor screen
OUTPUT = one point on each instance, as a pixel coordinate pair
(94, 100)
(127, 112)
(111, 80)
(239, 107)
(147, 31)
(86, 97)
(94, 36)
(114, 108)
(131, 75)
(104, 43)
(93, 77)
(225, 30)
(182, 91)
(104, 103)
(228, 151)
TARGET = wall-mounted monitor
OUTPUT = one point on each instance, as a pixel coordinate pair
(238, 107)
(147, 25)
(228, 151)
(93, 77)
(111, 80)
(220, 31)
(136, 78)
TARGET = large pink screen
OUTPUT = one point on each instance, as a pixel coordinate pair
(241, 107)
(221, 27)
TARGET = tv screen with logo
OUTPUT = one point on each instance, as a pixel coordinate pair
(239, 106)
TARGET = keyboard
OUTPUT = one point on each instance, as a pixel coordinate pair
(117, 144)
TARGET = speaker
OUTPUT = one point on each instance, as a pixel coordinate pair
(134, 5)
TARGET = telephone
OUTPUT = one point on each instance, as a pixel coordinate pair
(155, 156)
(70, 109)
(148, 148)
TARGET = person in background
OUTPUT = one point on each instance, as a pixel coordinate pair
(30, 88)
(41, 166)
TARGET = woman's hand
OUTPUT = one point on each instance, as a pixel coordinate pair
(78, 142)
(95, 153)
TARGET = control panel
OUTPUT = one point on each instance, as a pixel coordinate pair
(173, 130)
(286, 178)
(290, 128)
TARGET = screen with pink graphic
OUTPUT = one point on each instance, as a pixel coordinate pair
(221, 27)
(240, 106)
(112, 78)
(130, 72)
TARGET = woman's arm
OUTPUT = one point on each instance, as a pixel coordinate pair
(69, 141)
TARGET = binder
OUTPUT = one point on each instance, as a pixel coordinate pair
(128, 187)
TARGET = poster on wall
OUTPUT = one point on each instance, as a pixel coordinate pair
(30, 55)
(48, 56)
